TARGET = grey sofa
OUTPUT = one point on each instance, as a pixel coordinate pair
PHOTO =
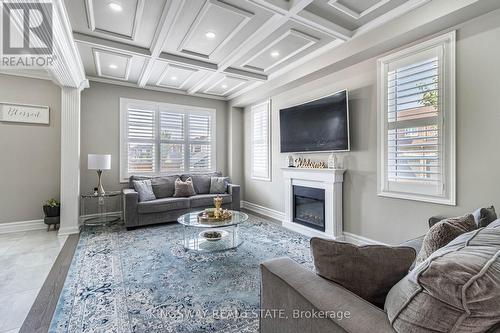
(166, 208)
(298, 292)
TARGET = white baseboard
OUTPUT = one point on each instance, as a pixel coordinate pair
(10, 227)
(274, 214)
(280, 216)
(360, 239)
(68, 231)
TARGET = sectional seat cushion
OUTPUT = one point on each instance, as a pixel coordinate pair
(456, 290)
(369, 271)
(201, 181)
(207, 200)
(444, 232)
(144, 189)
(162, 205)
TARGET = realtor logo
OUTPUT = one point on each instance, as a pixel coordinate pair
(27, 28)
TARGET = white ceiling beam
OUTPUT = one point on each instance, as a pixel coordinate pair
(168, 18)
(189, 62)
(322, 25)
(244, 74)
(111, 45)
(154, 88)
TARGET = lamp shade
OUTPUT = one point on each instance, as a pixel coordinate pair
(99, 162)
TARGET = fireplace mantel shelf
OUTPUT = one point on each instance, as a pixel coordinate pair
(314, 169)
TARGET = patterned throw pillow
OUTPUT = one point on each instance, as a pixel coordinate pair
(218, 185)
(184, 188)
(444, 232)
(144, 189)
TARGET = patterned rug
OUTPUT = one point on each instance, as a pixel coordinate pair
(144, 281)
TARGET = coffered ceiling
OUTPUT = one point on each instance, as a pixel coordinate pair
(215, 48)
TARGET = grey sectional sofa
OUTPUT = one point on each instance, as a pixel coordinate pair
(417, 303)
(166, 208)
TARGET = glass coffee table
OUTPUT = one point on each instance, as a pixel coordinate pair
(193, 231)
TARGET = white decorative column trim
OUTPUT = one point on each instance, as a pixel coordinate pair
(70, 160)
(331, 182)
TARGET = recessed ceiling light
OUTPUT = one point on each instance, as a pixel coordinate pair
(224, 86)
(174, 78)
(210, 35)
(113, 66)
(115, 6)
(275, 54)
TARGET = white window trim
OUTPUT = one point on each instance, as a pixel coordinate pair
(449, 120)
(178, 108)
(267, 104)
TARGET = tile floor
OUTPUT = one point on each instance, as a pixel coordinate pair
(25, 261)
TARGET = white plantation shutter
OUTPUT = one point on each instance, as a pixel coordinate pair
(200, 156)
(260, 136)
(417, 128)
(159, 138)
(141, 140)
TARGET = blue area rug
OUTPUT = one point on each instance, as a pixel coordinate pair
(144, 281)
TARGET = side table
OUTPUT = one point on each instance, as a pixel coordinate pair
(101, 213)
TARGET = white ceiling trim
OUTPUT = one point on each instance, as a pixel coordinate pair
(110, 45)
(322, 25)
(181, 84)
(89, 7)
(97, 62)
(229, 89)
(354, 14)
(390, 15)
(168, 18)
(245, 18)
(152, 88)
(292, 32)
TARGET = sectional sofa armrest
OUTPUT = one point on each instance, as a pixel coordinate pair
(298, 292)
(130, 201)
(234, 190)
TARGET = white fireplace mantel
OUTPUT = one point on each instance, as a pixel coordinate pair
(331, 181)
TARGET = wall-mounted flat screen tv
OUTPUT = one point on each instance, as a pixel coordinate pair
(320, 125)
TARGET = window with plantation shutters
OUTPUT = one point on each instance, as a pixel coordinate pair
(417, 122)
(159, 138)
(260, 145)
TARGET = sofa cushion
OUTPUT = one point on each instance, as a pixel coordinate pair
(369, 271)
(201, 181)
(218, 185)
(456, 290)
(184, 188)
(444, 232)
(144, 189)
(162, 205)
(164, 186)
(207, 200)
(484, 216)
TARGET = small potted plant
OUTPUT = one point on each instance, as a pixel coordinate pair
(52, 208)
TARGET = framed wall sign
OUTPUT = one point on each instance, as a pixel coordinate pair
(24, 113)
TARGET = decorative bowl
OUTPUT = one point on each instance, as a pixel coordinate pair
(213, 235)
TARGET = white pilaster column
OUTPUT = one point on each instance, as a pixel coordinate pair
(70, 160)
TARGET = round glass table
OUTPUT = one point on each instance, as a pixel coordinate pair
(193, 231)
(95, 208)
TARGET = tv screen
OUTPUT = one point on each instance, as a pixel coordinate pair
(320, 125)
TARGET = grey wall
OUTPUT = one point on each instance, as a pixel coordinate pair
(478, 137)
(30, 154)
(100, 127)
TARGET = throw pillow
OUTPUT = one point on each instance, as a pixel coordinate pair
(444, 232)
(184, 188)
(144, 189)
(369, 271)
(218, 185)
(456, 290)
(484, 216)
